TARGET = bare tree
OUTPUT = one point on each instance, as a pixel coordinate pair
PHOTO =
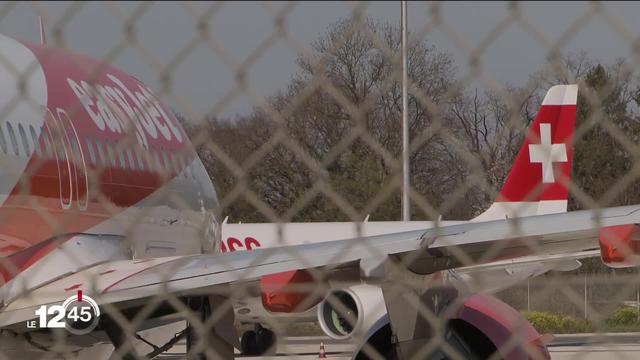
(341, 111)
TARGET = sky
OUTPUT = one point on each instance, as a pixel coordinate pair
(203, 81)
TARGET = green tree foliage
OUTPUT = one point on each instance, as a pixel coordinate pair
(625, 317)
(549, 323)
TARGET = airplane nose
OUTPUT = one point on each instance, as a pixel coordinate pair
(20, 70)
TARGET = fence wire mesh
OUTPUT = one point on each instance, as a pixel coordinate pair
(324, 148)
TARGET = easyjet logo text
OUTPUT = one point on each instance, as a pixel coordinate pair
(115, 108)
(232, 244)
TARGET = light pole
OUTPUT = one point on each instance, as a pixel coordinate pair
(406, 215)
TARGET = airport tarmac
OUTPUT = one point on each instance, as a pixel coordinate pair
(564, 347)
(595, 346)
(307, 350)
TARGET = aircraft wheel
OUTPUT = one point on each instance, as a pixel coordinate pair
(248, 343)
(260, 341)
(266, 340)
(201, 307)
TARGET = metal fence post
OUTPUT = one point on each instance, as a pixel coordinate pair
(585, 296)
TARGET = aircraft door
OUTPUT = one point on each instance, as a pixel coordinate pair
(76, 158)
(72, 170)
(60, 152)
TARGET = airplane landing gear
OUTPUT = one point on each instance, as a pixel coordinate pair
(123, 347)
(220, 340)
(202, 308)
(259, 341)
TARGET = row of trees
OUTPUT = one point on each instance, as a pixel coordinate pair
(327, 147)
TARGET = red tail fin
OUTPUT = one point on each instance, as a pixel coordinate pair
(539, 178)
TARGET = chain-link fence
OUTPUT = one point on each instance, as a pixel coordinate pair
(153, 221)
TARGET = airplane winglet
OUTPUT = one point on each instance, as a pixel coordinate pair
(43, 39)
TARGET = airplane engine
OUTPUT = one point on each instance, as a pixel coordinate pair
(351, 312)
(477, 329)
(620, 245)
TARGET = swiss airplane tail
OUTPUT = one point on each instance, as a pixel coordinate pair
(538, 181)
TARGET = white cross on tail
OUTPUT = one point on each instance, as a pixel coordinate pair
(547, 153)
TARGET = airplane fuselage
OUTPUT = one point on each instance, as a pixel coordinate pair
(94, 168)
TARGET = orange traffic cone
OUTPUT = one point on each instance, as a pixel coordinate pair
(322, 354)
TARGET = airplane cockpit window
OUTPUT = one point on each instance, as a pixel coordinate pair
(36, 143)
(14, 141)
(3, 141)
(25, 141)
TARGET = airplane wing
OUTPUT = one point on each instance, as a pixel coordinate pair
(477, 243)
(559, 262)
(126, 281)
(499, 275)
